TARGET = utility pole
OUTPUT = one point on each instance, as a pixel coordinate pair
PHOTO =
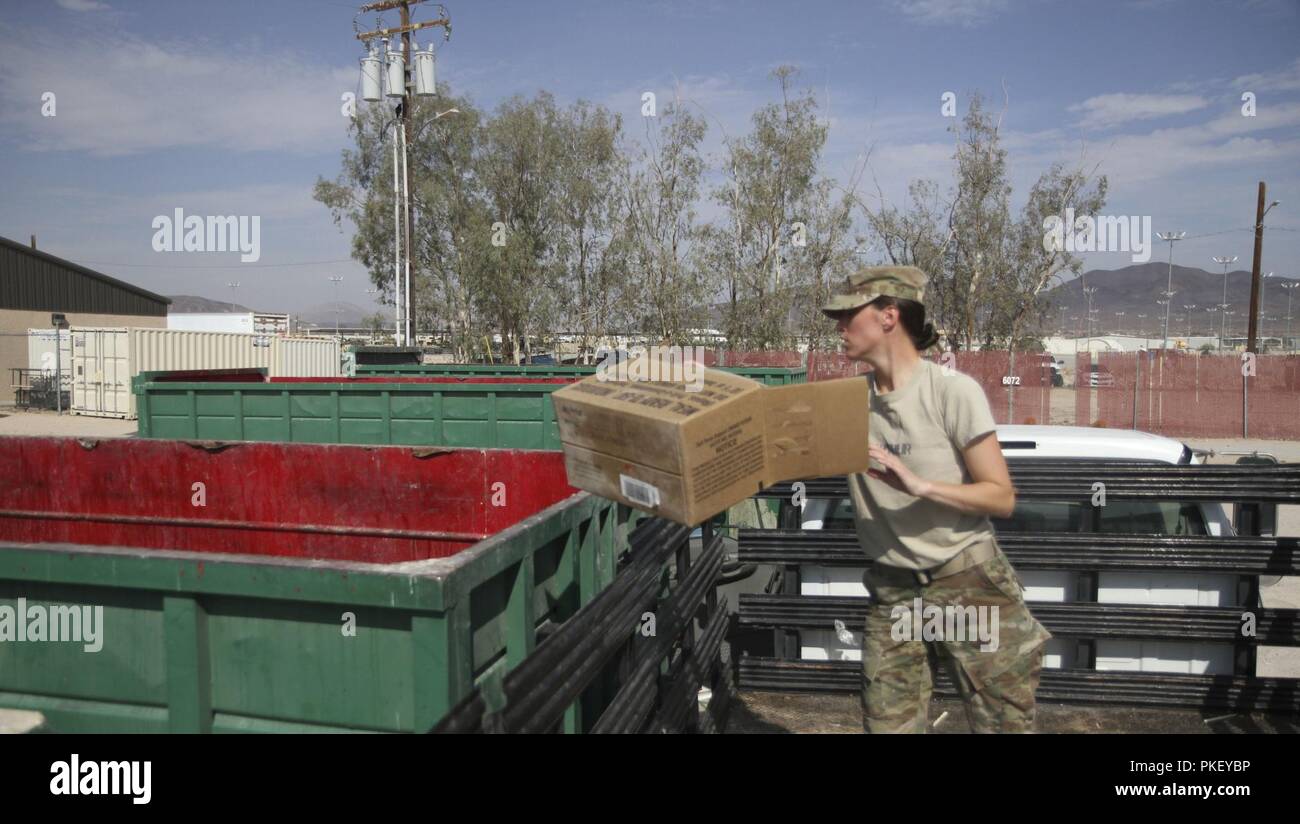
(422, 78)
(1171, 238)
(1260, 211)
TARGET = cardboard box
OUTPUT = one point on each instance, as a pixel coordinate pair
(688, 455)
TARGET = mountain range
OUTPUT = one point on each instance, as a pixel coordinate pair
(1135, 289)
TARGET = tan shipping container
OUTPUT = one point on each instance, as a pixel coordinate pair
(105, 359)
(305, 358)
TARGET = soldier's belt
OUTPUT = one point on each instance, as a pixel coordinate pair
(973, 555)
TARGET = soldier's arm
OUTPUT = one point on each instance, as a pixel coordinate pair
(989, 493)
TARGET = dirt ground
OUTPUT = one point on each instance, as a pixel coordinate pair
(13, 422)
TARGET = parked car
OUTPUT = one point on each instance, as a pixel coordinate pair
(1100, 377)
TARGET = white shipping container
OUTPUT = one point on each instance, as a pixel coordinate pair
(40, 351)
(305, 358)
(104, 360)
(212, 322)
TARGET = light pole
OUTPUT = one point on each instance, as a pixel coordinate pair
(1089, 291)
(233, 286)
(337, 280)
(1171, 238)
(1188, 307)
(1225, 261)
(1119, 323)
(1289, 287)
(1263, 288)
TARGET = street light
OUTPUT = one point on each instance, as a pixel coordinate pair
(1171, 238)
(1119, 323)
(1263, 290)
(1225, 261)
(337, 280)
(1189, 307)
(1089, 291)
(1289, 287)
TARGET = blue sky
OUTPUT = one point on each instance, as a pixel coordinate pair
(234, 108)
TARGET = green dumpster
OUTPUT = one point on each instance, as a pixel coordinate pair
(475, 411)
(259, 587)
(401, 406)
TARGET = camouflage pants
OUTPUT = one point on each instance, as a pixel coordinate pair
(996, 681)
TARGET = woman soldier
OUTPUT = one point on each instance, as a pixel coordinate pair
(940, 585)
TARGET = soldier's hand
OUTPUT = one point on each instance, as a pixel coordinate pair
(895, 473)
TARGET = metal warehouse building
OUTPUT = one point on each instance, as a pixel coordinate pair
(33, 285)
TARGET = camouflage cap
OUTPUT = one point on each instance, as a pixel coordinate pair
(865, 285)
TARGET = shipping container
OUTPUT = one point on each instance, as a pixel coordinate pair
(263, 587)
(305, 358)
(105, 359)
(40, 350)
(254, 323)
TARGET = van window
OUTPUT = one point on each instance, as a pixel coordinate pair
(1152, 518)
(1042, 516)
(1140, 517)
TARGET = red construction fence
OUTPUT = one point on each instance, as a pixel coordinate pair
(1180, 394)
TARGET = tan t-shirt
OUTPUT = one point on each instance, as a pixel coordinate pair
(926, 423)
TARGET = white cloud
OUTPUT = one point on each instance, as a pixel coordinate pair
(1107, 110)
(951, 12)
(82, 5)
(1282, 80)
(118, 94)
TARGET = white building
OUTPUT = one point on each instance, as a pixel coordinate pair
(1064, 347)
(252, 323)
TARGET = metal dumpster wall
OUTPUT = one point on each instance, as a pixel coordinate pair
(208, 642)
(512, 416)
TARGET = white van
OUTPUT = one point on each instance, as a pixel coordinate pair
(1148, 517)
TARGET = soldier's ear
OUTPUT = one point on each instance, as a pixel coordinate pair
(889, 317)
